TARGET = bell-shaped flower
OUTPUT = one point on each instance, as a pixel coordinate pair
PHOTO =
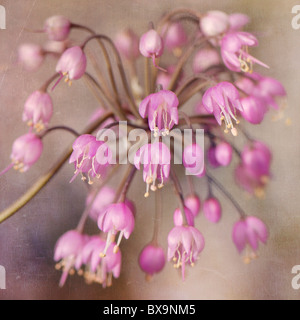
(161, 108)
(156, 159)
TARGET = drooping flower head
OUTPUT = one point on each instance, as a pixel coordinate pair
(237, 21)
(223, 100)
(127, 43)
(72, 64)
(249, 231)
(152, 260)
(214, 23)
(254, 109)
(234, 51)
(103, 198)
(193, 203)
(156, 159)
(161, 108)
(90, 156)
(223, 153)
(97, 268)
(26, 150)
(151, 45)
(212, 209)
(185, 243)
(38, 110)
(204, 59)
(116, 217)
(67, 250)
(175, 37)
(31, 56)
(57, 28)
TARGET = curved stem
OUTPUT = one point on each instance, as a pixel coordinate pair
(127, 181)
(74, 132)
(157, 217)
(45, 178)
(227, 194)
(45, 86)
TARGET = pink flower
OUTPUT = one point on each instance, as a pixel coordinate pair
(212, 210)
(67, 249)
(156, 159)
(237, 21)
(116, 217)
(104, 198)
(178, 218)
(152, 260)
(185, 244)
(214, 23)
(222, 100)
(90, 156)
(162, 111)
(127, 43)
(253, 172)
(72, 64)
(151, 45)
(31, 56)
(211, 157)
(204, 59)
(38, 110)
(193, 160)
(57, 28)
(100, 269)
(223, 153)
(234, 51)
(193, 203)
(254, 109)
(26, 151)
(175, 37)
(249, 231)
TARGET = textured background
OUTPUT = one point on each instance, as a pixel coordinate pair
(28, 238)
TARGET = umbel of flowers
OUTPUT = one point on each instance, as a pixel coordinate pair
(228, 92)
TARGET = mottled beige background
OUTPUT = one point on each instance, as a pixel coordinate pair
(27, 239)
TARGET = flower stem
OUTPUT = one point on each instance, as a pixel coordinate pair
(157, 217)
(74, 132)
(124, 186)
(45, 178)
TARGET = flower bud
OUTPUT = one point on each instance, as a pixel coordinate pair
(57, 28)
(212, 210)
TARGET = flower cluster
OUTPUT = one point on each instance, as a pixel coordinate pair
(227, 91)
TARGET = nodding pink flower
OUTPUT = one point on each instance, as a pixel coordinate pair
(193, 203)
(222, 100)
(254, 109)
(67, 249)
(156, 159)
(127, 42)
(214, 23)
(31, 56)
(162, 111)
(257, 158)
(72, 64)
(97, 268)
(57, 28)
(193, 160)
(26, 151)
(211, 157)
(212, 209)
(116, 217)
(185, 244)
(152, 260)
(175, 37)
(249, 231)
(38, 110)
(223, 153)
(103, 198)
(151, 46)
(269, 89)
(90, 156)
(237, 21)
(204, 59)
(178, 218)
(234, 51)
